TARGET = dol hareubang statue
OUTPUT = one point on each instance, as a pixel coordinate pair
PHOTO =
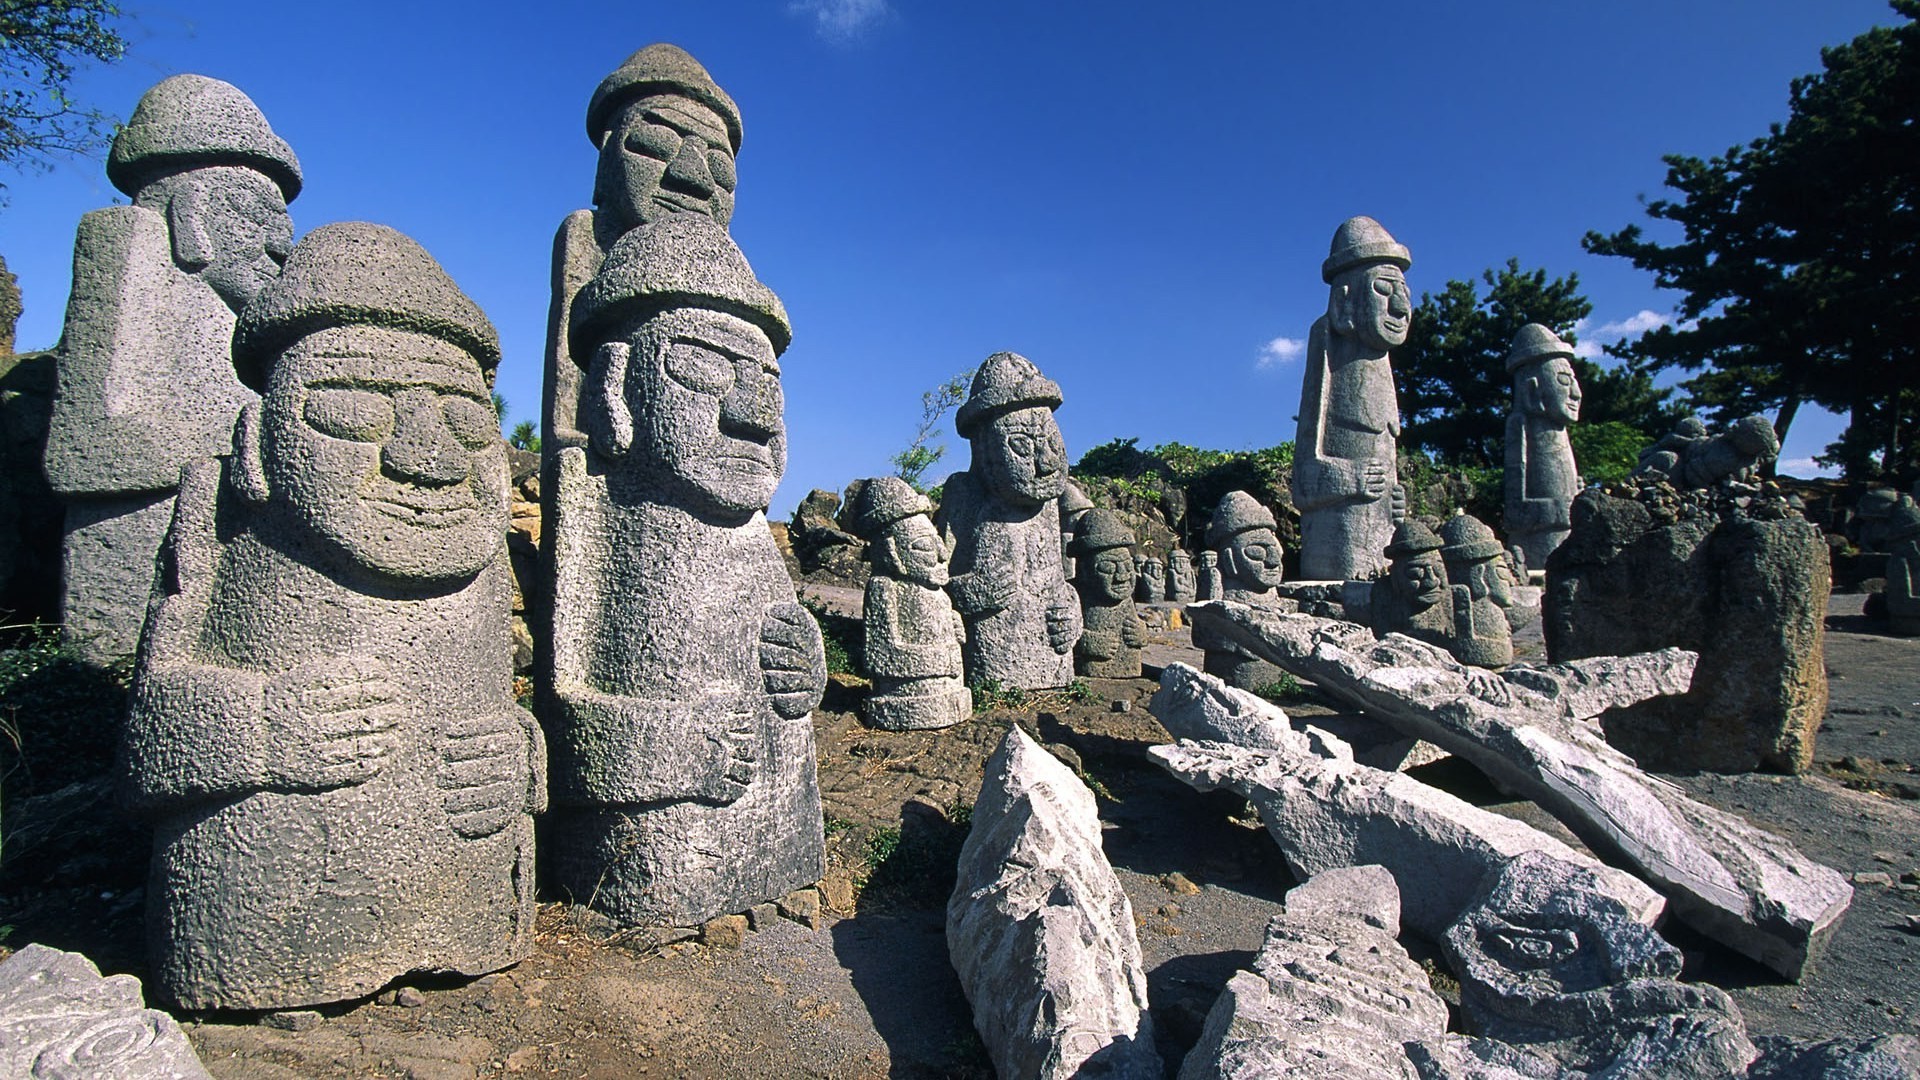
(1345, 466)
(1002, 520)
(145, 382)
(682, 668)
(1541, 476)
(323, 727)
(913, 635)
(1110, 641)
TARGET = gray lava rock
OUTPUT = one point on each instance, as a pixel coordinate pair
(913, 635)
(60, 1019)
(1541, 475)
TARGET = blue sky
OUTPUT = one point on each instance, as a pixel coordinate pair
(1136, 196)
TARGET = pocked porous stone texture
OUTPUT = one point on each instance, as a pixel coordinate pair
(1541, 475)
(913, 635)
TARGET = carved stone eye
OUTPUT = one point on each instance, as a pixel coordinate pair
(473, 423)
(345, 413)
(654, 140)
(700, 370)
(1020, 445)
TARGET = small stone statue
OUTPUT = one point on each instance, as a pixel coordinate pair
(682, 668)
(1475, 562)
(1872, 518)
(1243, 540)
(913, 635)
(1001, 517)
(145, 378)
(1345, 466)
(1150, 582)
(1206, 582)
(1690, 458)
(1074, 505)
(1180, 586)
(1542, 477)
(1415, 599)
(323, 727)
(1109, 647)
(1903, 570)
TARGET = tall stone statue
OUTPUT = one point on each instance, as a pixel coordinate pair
(1903, 570)
(1415, 599)
(1541, 478)
(1345, 465)
(323, 727)
(1001, 517)
(913, 635)
(682, 668)
(1179, 576)
(145, 380)
(1243, 538)
(1150, 579)
(1476, 563)
(1109, 647)
(667, 136)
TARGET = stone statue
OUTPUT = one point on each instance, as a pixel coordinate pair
(145, 381)
(1207, 584)
(1150, 580)
(323, 727)
(1001, 517)
(1903, 570)
(1541, 478)
(1074, 505)
(1109, 647)
(913, 635)
(1476, 563)
(682, 667)
(1345, 478)
(667, 136)
(1415, 598)
(1179, 577)
(1690, 458)
(1872, 517)
(1243, 540)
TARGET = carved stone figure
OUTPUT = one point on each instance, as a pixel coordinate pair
(682, 667)
(1074, 505)
(1243, 539)
(1109, 646)
(1150, 580)
(913, 635)
(60, 1020)
(1206, 581)
(1690, 458)
(1872, 513)
(1001, 518)
(1416, 598)
(1345, 478)
(1476, 563)
(1180, 585)
(145, 384)
(1542, 477)
(1903, 570)
(323, 727)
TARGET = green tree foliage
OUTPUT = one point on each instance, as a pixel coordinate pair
(1206, 475)
(1606, 451)
(1452, 373)
(525, 437)
(42, 44)
(922, 453)
(1799, 257)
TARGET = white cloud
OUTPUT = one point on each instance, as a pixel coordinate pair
(841, 20)
(1804, 468)
(1280, 351)
(1592, 337)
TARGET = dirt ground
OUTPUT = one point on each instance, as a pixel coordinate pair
(869, 993)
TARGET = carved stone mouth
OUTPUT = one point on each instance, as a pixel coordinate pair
(432, 517)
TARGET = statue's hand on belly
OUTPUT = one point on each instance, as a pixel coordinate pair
(793, 660)
(330, 722)
(483, 773)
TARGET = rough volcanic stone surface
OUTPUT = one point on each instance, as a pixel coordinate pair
(1345, 471)
(1477, 567)
(145, 381)
(1903, 572)
(1530, 729)
(1416, 598)
(681, 669)
(1180, 582)
(1244, 543)
(323, 729)
(1688, 457)
(1112, 633)
(1332, 993)
(1884, 1057)
(1040, 931)
(1549, 961)
(1207, 584)
(60, 1018)
(1001, 518)
(1150, 580)
(913, 634)
(1650, 567)
(1326, 811)
(1541, 475)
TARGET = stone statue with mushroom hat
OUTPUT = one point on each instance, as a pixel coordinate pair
(913, 635)
(1206, 580)
(1109, 646)
(1179, 576)
(1150, 579)
(1542, 477)
(145, 381)
(1415, 598)
(1074, 505)
(1244, 542)
(1476, 563)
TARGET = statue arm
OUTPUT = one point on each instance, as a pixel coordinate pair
(576, 258)
(979, 583)
(1317, 479)
(904, 648)
(1134, 632)
(1527, 511)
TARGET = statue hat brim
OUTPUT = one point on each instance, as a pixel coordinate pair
(683, 260)
(1465, 537)
(1534, 343)
(1412, 538)
(187, 120)
(1238, 512)
(1362, 241)
(1101, 530)
(883, 501)
(1005, 381)
(659, 68)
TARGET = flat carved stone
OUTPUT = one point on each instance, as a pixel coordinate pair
(59, 1018)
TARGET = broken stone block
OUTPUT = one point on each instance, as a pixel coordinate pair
(59, 1018)
(1325, 811)
(1041, 933)
(1331, 995)
(1883, 1057)
(1530, 729)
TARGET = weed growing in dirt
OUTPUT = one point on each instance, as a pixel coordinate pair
(882, 845)
(989, 695)
(844, 638)
(1078, 691)
(1283, 689)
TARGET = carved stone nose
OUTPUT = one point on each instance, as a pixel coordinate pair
(422, 449)
(688, 169)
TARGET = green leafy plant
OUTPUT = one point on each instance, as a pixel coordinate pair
(1283, 689)
(988, 695)
(843, 636)
(525, 437)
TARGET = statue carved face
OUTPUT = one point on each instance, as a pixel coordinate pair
(1374, 306)
(1487, 579)
(385, 445)
(702, 391)
(230, 228)
(1554, 392)
(1109, 574)
(912, 549)
(664, 154)
(1022, 456)
(1420, 580)
(1252, 559)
